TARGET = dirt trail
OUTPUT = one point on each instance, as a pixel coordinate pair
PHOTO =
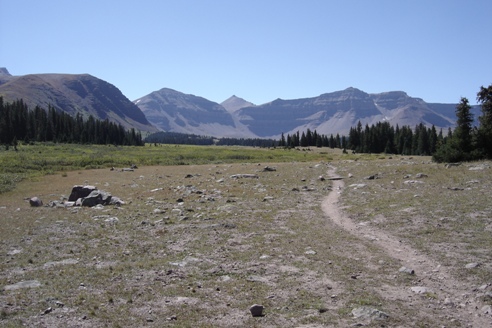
(461, 303)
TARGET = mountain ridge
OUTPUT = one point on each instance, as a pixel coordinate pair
(74, 93)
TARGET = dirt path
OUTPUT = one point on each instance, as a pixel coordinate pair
(455, 297)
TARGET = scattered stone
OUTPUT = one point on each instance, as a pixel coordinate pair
(112, 220)
(420, 290)
(366, 312)
(350, 175)
(172, 318)
(35, 202)
(267, 198)
(240, 176)
(189, 176)
(487, 309)
(413, 182)
(62, 262)
(406, 270)
(269, 169)
(335, 178)
(421, 175)
(48, 310)
(321, 178)
(256, 310)
(472, 265)
(449, 165)
(357, 185)
(371, 177)
(456, 188)
(448, 302)
(310, 252)
(23, 284)
(479, 167)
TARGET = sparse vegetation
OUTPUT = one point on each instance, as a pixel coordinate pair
(195, 246)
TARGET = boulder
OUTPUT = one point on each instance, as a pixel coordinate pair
(96, 197)
(80, 192)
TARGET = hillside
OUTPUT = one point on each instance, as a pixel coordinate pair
(74, 93)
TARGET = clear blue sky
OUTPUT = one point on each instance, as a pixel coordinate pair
(260, 50)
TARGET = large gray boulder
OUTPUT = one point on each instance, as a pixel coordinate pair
(80, 192)
(96, 197)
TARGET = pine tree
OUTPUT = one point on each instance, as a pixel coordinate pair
(484, 97)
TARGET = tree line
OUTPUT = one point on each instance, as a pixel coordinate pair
(19, 123)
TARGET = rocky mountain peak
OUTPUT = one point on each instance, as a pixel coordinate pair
(4, 71)
(234, 103)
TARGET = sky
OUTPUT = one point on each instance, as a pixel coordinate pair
(259, 50)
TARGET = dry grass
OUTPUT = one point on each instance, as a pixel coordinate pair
(194, 244)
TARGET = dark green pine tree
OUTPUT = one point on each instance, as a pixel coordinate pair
(484, 97)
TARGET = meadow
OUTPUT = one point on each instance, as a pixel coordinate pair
(205, 232)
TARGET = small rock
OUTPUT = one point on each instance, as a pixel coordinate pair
(172, 318)
(472, 265)
(421, 175)
(321, 178)
(269, 169)
(48, 310)
(35, 202)
(448, 302)
(487, 309)
(406, 270)
(256, 310)
(420, 290)
(366, 312)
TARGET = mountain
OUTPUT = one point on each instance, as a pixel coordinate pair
(336, 112)
(233, 104)
(174, 111)
(74, 93)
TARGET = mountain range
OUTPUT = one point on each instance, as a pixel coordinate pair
(174, 111)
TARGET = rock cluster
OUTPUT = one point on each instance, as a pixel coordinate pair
(88, 196)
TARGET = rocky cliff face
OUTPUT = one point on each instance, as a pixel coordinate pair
(337, 112)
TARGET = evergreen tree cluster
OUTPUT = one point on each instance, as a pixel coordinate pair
(384, 138)
(312, 139)
(18, 123)
(176, 138)
(468, 142)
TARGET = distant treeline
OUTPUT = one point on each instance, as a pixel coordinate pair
(20, 124)
(176, 138)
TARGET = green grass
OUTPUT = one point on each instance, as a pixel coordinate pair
(31, 161)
